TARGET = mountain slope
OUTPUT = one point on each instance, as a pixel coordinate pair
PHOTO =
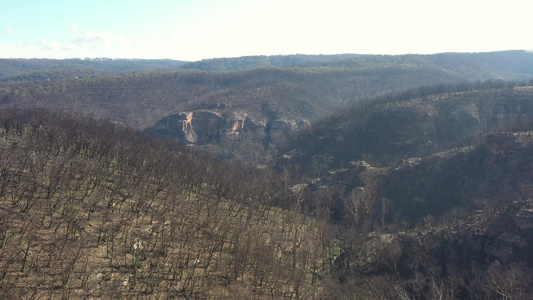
(431, 190)
(425, 194)
(274, 101)
(263, 96)
(456, 225)
(415, 123)
(91, 209)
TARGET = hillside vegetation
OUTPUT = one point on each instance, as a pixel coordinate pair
(94, 209)
(432, 189)
(333, 179)
(281, 99)
(414, 123)
(428, 150)
(20, 70)
(262, 61)
(501, 65)
(90, 209)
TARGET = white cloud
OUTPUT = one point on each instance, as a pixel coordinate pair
(54, 46)
(90, 44)
(94, 38)
(19, 50)
(107, 44)
(9, 29)
(72, 27)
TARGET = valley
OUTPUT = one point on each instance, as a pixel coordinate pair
(268, 177)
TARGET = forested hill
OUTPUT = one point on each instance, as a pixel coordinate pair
(503, 65)
(262, 61)
(415, 123)
(428, 150)
(58, 69)
(513, 64)
(140, 100)
(92, 209)
(441, 179)
(274, 101)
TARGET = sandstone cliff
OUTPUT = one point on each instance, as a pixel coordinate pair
(235, 130)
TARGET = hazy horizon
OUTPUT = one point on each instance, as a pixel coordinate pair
(205, 29)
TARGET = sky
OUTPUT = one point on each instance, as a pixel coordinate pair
(200, 29)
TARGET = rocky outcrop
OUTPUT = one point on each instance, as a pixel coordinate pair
(206, 126)
(238, 123)
(191, 127)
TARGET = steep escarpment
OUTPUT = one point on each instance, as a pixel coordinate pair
(234, 133)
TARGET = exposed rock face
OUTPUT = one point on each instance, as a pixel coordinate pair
(238, 123)
(191, 127)
(202, 127)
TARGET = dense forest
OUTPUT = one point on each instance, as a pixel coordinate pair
(18, 70)
(497, 64)
(297, 177)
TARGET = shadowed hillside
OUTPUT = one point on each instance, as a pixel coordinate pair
(432, 189)
(414, 123)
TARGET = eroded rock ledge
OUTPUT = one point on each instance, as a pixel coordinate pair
(200, 127)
